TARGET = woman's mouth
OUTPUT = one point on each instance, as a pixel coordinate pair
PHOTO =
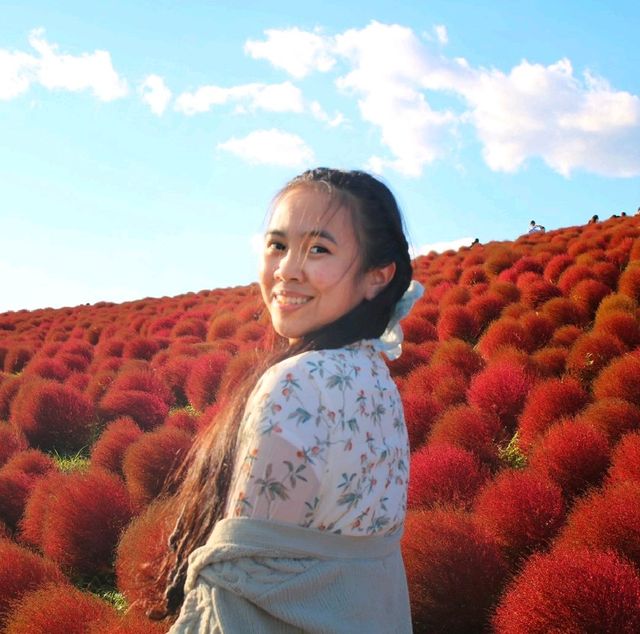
(284, 299)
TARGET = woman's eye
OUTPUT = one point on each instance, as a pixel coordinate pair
(316, 249)
(274, 245)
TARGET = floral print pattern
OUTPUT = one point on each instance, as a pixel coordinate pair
(323, 444)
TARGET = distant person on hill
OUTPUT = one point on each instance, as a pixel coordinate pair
(291, 505)
(593, 219)
(536, 228)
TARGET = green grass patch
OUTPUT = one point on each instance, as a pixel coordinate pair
(512, 455)
(68, 462)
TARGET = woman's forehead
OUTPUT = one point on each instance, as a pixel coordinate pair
(308, 211)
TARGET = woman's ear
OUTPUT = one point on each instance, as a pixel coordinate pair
(378, 278)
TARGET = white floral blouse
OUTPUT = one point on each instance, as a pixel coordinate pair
(323, 444)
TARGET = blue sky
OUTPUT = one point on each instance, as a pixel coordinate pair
(141, 142)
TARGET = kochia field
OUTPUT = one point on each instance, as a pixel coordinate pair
(520, 380)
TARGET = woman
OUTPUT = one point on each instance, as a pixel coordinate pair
(293, 507)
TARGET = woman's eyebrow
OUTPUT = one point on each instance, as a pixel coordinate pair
(314, 233)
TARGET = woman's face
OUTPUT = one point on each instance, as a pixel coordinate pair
(310, 267)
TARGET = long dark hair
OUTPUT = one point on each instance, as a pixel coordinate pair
(205, 476)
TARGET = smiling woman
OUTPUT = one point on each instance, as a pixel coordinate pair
(291, 506)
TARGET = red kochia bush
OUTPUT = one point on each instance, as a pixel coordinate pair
(17, 358)
(606, 520)
(129, 623)
(457, 322)
(443, 474)
(57, 608)
(507, 331)
(591, 353)
(12, 440)
(459, 354)
(620, 379)
(547, 402)
(83, 519)
(625, 461)
(486, 308)
(588, 294)
(183, 420)
(22, 571)
(629, 282)
(523, 509)
(501, 389)
(147, 410)
(108, 451)
(556, 265)
(550, 361)
(204, 378)
(455, 572)
(222, 326)
(621, 324)
(446, 385)
(571, 591)
(140, 348)
(151, 459)
(140, 550)
(144, 379)
(48, 369)
(52, 415)
(574, 455)
(563, 311)
(470, 428)
(565, 336)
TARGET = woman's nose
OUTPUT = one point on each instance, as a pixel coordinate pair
(289, 266)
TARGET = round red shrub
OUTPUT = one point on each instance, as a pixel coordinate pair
(99, 384)
(607, 273)
(8, 390)
(84, 520)
(550, 362)
(143, 379)
(473, 275)
(458, 354)
(556, 265)
(57, 608)
(413, 355)
(537, 292)
(592, 352)
(617, 302)
(420, 412)
(455, 296)
(39, 504)
(190, 326)
(486, 308)
(470, 428)
(223, 326)
(16, 358)
(507, 331)
(522, 509)
(625, 461)
(548, 402)
(418, 329)
(141, 548)
(204, 378)
(147, 410)
(183, 420)
(571, 591)
(607, 519)
(46, 368)
(445, 384)
(572, 275)
(443, 474)
(620, 379)
(108, 451)
(22, 571)
(507, 290)
(501, 389)
(250, 332)
(574, 455)
(12, 440)
(629, 281)
(457, 322)
(52, 415)
(565, 336)
(623, 325)
(140, 348)
(563, 311)
(151, 459)
(455, 572)
(538, 327)
(588, 294)
(174, 374)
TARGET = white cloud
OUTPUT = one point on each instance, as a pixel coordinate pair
(17, 71)
(441, 33)
(155, 93)
(270, 147)
(283, 97)
(321, 115)
(88, 71)
(295, 51)
(530, 111)
(441, 247)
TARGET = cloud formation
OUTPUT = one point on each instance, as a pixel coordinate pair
(532, 111)
(270, 147)
(155, 94)
(58, 71)
(283, 97)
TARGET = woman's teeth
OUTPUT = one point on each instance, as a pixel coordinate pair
(285, 300)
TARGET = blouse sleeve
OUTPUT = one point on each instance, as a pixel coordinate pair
(282, 448)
